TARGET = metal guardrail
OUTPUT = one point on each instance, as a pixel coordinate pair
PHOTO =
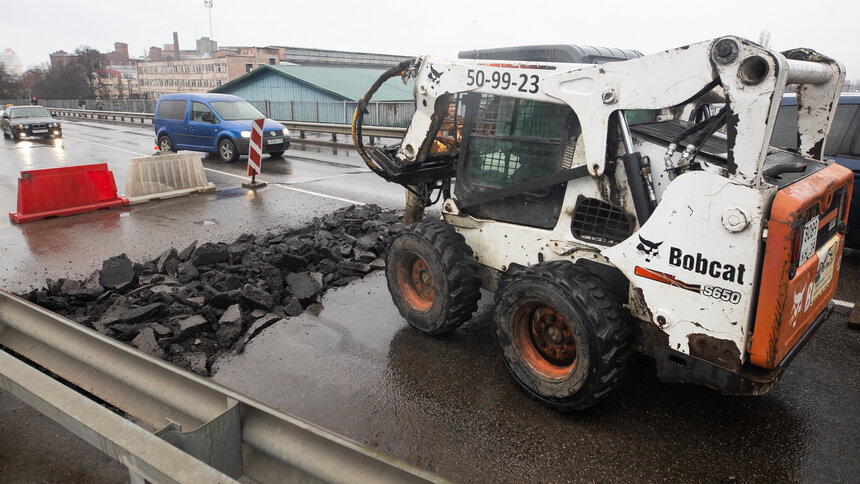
(301, 126)
(100, 115)
(228, 434)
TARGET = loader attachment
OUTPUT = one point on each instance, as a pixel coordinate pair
(382, 160)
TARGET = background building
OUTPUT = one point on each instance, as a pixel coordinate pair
(322, 94)
(10, 61)
(200, 74)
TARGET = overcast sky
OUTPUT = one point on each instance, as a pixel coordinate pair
(436, 27)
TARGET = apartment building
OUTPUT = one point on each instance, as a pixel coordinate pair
(201, 74)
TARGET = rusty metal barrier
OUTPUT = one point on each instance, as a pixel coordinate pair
(217, 434)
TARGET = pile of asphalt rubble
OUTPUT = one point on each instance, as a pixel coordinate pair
(193, 305)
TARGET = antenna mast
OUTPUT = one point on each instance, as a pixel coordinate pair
(208, 4)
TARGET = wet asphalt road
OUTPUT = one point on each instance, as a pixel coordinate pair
(444, 403)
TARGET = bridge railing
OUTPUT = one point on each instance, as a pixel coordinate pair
(378, 113)
(146, 119)
(230, 433)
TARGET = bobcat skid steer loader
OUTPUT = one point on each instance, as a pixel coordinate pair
(610, 211)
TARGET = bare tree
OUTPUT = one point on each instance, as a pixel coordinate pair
(91, 61)
(10, 86)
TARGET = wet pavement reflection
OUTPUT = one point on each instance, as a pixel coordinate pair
(448, 404)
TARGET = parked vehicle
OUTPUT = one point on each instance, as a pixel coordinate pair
(29, 122)
(842, 145)
(214, 123)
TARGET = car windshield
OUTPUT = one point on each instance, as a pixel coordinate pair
(234, 110)
(29, 112)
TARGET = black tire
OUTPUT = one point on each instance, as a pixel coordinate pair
(276, 154)
(562, 336)
(16, 136)
(227, 151)
(5, 134)
(164, 144)
(432, 277)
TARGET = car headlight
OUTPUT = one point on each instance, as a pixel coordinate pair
(245, 134)
(19, 126)
(286, 132)
(26, 126)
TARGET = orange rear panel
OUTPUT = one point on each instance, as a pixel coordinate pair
(787, 305)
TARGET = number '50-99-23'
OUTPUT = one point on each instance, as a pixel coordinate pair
(503, 80)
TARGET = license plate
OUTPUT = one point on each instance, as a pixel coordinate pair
(810, 237)
(274, 141)
(40, 131)
(826, 263)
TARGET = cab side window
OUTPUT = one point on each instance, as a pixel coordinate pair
(198, 110)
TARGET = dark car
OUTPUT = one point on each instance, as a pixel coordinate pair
(843, 146)
(29, 122)
(214, 123)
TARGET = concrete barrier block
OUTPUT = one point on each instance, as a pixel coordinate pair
(165, 176)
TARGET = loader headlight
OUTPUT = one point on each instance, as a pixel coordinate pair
(245, 134)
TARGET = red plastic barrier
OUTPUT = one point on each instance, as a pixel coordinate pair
(58, 192)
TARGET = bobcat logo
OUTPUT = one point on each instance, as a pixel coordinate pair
(649, 249)
(798, 305)
(434, 75)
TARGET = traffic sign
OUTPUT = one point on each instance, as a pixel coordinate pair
(255, 147)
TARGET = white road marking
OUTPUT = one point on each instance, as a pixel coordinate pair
(354, 202)
(285, 187)
(844, 304)
(106, 146)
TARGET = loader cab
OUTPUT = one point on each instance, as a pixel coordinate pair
(508, 141)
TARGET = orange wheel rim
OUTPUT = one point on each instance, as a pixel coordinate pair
(415, 281)
(544, 340)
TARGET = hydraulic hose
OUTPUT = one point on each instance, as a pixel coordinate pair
(358, 118)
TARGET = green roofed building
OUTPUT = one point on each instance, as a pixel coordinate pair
(324, 94)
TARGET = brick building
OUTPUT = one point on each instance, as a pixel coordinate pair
(201, 74)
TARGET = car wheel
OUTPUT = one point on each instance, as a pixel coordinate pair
(227, 151)
(276, 154)
(563, 337)
(5, 134)
(164, 144)
(16, 136)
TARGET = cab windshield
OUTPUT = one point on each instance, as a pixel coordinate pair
(29, 112)
(236, 110)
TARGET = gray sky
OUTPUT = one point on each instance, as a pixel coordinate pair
(438, 27)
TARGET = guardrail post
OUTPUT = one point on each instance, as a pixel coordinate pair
(317, 111)
(345, 120)
(292, 113)
(302, 134)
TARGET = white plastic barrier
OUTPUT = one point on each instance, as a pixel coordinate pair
(165, 176)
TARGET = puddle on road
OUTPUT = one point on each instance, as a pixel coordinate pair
(344, 152)
(231, 192)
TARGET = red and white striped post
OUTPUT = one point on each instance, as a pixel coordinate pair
(255, 153)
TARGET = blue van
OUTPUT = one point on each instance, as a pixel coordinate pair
(843, 146)
(214, 123)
